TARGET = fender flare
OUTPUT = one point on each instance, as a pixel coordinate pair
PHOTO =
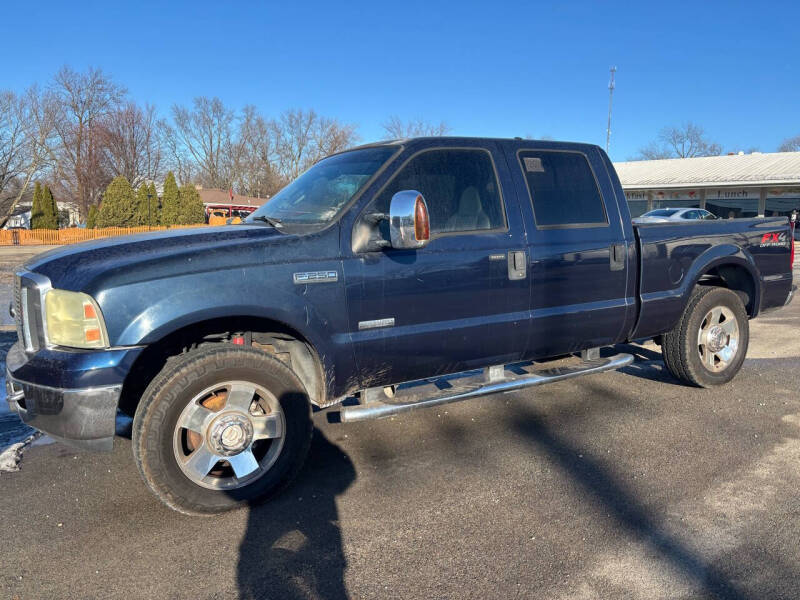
(159, 319)
(720, 256)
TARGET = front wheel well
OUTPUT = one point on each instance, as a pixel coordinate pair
(267, 335)
(735, 278)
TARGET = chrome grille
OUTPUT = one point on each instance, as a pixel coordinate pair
(25, 297)
(18, 307)
(27, 309)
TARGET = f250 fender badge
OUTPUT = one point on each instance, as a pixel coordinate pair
(316, 277)
(771, 240)
(376, 323)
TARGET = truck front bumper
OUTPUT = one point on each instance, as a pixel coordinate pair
(71, 396)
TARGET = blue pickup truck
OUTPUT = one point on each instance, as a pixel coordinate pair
(387, 278)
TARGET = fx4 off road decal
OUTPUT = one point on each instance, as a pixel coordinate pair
(772, 240)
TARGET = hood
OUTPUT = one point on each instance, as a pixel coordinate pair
(142, 256)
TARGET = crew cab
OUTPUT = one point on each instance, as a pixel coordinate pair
(386, 278)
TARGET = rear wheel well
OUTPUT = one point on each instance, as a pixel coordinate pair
(735, 278)
(267, 335)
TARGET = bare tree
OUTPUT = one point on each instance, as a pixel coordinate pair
(176, 158)
(213, 145)
(204, 134)
(26, 145)
(686, 141)
(13, 137)
(396, 128)
(292, 137)
(302, 137)
(689, 141)
(331, 136)
(791, 144)
(654, 151)
(84, 99)
(252, 156)
(131, 143)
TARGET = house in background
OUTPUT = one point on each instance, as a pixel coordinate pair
(224, 203)
(21, 217)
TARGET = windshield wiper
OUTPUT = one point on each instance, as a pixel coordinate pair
(276, 223)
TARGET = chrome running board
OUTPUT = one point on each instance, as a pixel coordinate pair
(384, 402)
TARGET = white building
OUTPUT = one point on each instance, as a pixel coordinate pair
(740, 185)
(22, 215)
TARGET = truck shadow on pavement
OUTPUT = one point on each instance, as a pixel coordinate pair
(623, 507)
(648, 364)
(292, 547)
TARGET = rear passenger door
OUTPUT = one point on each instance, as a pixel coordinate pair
(579, 259)
(453, 304)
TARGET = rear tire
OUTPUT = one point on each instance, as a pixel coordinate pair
(709, 344)
(220, 427)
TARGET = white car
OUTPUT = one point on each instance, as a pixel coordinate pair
(666, 215)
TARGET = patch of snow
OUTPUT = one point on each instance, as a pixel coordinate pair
(12, 456)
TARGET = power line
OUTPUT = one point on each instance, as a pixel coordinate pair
(610, 98)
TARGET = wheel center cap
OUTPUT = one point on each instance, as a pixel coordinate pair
(230, 433)
(232, 436)
(717, 338)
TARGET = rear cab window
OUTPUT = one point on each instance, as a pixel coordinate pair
(563, 189)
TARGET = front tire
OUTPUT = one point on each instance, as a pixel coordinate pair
(220, 427)
(709, 344)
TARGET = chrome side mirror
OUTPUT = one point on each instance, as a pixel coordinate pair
(409, 225)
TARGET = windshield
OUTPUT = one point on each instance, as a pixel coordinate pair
(317, 196)
(662, 212)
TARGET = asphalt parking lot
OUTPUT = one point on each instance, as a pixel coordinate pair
(619, 485)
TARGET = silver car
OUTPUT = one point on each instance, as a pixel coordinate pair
(666, 215)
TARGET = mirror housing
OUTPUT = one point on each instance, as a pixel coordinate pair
(409, 224)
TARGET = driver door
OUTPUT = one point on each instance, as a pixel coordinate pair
(454, 304)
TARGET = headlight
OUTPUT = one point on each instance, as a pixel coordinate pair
(74, 320)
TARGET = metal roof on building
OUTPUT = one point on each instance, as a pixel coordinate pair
(756, 169)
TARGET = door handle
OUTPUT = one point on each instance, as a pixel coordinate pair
(517, 265)
(617, 256)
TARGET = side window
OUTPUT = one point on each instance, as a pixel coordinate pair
(459, 186)
(563, 189)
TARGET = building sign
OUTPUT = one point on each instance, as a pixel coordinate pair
(733, 203)
(636, 195)
(682, 195)
(676, 198)
(740, 194)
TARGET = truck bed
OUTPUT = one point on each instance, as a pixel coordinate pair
(675, 256)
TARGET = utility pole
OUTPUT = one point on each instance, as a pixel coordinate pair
(610, 98)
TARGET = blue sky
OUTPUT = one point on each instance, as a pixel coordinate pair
(486, 68)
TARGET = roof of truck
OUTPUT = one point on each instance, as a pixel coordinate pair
(452, 140)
